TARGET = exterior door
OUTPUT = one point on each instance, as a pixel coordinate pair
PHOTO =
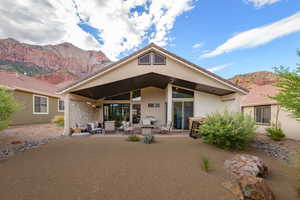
(181, 113)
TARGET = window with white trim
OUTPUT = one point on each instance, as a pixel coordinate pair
(40, 104)
(262, 115)
(61, 105)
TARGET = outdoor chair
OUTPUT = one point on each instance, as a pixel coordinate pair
(109, 126)
(166, 128)
(127, 127)
(93, 129)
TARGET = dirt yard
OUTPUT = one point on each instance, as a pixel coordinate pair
(24, 133)
(112, 168)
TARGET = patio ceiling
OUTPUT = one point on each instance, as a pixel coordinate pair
(146, 80)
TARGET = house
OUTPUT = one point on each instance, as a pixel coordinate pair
(38, 100)
(150, 82)
(266, 111)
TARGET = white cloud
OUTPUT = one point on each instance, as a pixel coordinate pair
(198, 45)
(123, 25)
(220, 67)
(261, 3)
(258, 36)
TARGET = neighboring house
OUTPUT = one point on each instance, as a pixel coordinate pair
(38, 100)
(266, 110)
(150, 82)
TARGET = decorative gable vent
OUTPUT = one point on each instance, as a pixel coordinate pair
(152, 58)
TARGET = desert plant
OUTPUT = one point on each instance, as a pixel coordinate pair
(148, 139)
(275, 134)
(205, 165)
(8, 106)
(59, 120)
(133, 138)
(228, 130)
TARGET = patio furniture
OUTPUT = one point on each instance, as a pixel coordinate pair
(93, 128)
(194, 128)
(109, 126)
(146, 130)
(127, 127)
(166, 128)
(147, 122)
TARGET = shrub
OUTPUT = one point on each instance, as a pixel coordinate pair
(275, 134)
(133, 138)
(148, 139)
(205, 165)
(8, 106)
(228, 130)
(59, 120)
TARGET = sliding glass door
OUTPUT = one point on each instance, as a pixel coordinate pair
(116, 112)
(181, 113)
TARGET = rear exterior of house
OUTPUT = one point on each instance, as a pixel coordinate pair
(266, 111)
(150, 82)
(38, 101)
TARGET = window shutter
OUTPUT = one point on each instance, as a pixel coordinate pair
(159, 60)
(145, 59)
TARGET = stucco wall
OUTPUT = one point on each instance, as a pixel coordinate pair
(289, 125)
(153, 95)
(25, 114)
(172, 68)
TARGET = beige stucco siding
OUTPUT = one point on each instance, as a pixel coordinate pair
(25, 114)
(289, 125)
(172, 68)
(153, 95)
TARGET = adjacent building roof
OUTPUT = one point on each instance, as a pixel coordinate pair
(260, 95)
(141, 51)
(16, 81)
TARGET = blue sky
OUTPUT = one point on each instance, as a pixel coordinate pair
(210, 23)
(228, 37)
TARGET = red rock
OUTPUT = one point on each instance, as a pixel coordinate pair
(63, 56)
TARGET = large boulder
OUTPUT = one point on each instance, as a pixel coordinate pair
(246, 165)
(250, 188)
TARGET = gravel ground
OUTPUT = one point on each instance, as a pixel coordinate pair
(112, 168)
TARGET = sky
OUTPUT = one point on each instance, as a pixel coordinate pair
(227, 37)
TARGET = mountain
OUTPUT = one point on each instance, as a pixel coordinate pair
(258, 78)
(46, 59)
(57, 77)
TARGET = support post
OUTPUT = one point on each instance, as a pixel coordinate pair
(67, 114)
(169, 103)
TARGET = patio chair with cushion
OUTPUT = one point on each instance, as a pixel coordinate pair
(127, 127)
(93, 128)
(166, 128)
(109, 126)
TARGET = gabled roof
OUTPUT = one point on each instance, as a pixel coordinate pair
(163, 51)
(15, 81)
(260, 95)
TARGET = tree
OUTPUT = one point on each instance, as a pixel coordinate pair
(289, 95)
(8, 106)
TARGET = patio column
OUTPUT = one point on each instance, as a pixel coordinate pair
(169, 103)
(67, 114)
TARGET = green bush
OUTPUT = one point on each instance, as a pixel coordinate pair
(228, 130)
(133, 138)
(275, 134)
(148, 139)
(8, 106)
(59, 120)
(205, 165)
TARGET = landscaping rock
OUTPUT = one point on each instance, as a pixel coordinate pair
(250, 188)
(272, 149)
(246, 165)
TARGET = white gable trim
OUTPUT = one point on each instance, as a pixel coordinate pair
(141, 53)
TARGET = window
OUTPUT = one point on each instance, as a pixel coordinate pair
(61, 105)
(153, 105)
(152, 58)
(136, 95)
(116, 112)
(136, 113)
(40, 104)
(158, 59)
(262, 115)
(182, 93)
(145, 59)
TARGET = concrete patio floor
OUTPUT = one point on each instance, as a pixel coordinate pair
(114, 169)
